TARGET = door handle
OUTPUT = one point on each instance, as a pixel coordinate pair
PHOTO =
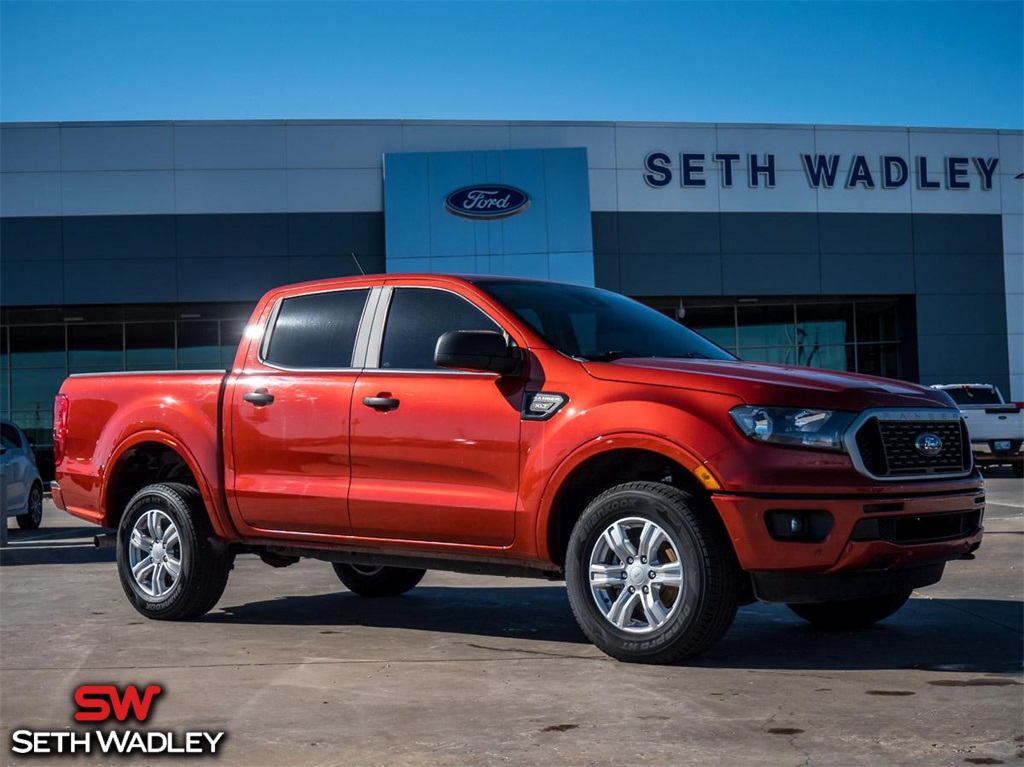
(260, 397)
(380, 403)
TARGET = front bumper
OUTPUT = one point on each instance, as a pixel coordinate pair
(868, 533)
(998, 451)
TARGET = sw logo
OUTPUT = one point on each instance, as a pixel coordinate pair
(107, 703)
(98, 701)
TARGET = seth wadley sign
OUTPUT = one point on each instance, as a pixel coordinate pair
(822, 171)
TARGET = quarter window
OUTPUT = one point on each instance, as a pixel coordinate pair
(420, 316)
(316, 331)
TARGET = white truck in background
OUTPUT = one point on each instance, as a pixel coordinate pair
(995, 425)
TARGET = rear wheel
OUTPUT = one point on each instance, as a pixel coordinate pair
(376, 580)
(1018, 469)
(172, 567)
(851, 613)
(33, 516)
(650, 573)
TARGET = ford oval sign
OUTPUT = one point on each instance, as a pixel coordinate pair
(487, 201)
(929, 445)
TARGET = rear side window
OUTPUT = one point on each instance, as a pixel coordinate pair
(420, 316)
(316, 331)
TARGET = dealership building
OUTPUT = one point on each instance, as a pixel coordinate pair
(145, 245)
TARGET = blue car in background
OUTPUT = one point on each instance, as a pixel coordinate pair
(21, 489)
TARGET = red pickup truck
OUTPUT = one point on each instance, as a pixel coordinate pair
(395, 423)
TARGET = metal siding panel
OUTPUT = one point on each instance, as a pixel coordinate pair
(867, 273)
(755, 274)
(777, 233)
(957, 234)
(407, 190)
(30, 194)
(33, 238)
(865, 233)
(342, 146)
(32, 283)
(666, 275)
(326, 234)
(230, 146)
(107, 237)
(227, 235)
(131, 192)
(567, 193)
(231, 191)
(335, 190)
(29, 149)
(961, 315)
(944, 273)
(120, 281)
(670, 233)
(128, 147)
(229, 279)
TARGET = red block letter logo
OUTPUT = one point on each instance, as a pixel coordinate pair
(96, 702)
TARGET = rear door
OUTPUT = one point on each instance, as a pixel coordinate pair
(435, 452)
(289, 416)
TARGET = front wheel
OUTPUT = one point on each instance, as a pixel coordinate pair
(171, 565)
(650, 573)
(378, 581)
(851, 613)
(33, 516)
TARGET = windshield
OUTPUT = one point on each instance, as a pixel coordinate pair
(597, 324)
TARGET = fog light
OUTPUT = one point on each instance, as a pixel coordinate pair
(798, 526)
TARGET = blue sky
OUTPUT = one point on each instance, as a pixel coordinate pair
(950, 64)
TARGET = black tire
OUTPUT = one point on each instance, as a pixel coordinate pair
(852, 613)
(1018, 469)
(376, 581)
(700, 599)
(203, 561)
(32, 518)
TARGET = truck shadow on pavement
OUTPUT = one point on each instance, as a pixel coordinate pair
(54, 546)
(951, 635)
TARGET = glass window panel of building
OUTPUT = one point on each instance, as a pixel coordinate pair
(39, 348)
(851, 334)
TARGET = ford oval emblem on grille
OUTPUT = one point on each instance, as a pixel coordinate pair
(928, 444)
(487, 201)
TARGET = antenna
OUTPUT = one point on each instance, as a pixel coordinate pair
(359, 266)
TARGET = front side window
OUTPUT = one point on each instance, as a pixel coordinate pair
(417, 318)
(317, 331)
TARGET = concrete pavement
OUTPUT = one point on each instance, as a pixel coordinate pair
(478, 671)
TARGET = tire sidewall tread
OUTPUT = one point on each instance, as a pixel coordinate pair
(710, 583)
(205, 561)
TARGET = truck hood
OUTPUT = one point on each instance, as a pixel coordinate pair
(765, 384)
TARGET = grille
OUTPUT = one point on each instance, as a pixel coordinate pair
(887, 448)
(923, 529)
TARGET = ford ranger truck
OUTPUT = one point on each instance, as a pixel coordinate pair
(395, 423)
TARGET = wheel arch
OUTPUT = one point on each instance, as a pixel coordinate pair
(149, 457)
(600, 465)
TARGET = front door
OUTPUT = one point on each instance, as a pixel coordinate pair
(289, 417)
(435, 453)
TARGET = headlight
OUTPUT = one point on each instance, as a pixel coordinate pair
(799, 427)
